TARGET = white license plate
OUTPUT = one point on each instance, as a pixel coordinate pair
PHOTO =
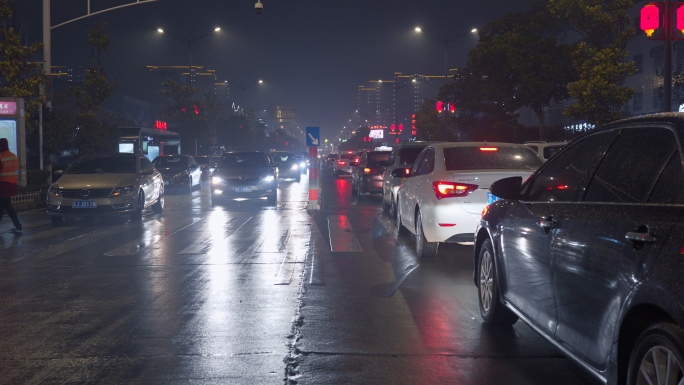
(491, 198)
(84, 204)
(243, 189)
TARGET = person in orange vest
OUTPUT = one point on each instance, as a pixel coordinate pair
(9, 178)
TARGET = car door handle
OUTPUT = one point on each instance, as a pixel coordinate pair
(547, 223)
(640, 236)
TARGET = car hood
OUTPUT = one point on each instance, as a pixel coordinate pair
(244, 172)
(94, 181)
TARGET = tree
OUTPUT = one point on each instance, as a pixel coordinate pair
(19, 76)
(599, 59)
(182, 109)
(530, 66)
(428, 124)
(85, 128)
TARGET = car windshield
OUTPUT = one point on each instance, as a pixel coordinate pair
(106, 165)
(409, 155)
(243, 160)
(171, 162)
(374, 159)
(490, 158)
(203, 160)
(282, 157)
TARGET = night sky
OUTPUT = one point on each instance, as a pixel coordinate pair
(312, 55)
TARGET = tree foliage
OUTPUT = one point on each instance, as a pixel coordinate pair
(519, 61)
(599, 59)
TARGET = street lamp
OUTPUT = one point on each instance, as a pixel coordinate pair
(445, 42)
(244, 88)
(47, 54)
(189, 41)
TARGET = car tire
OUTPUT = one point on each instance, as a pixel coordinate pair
(657, 355)
(56, 221)
(393, 208)
(424, 249)
(492, 309)
(385, 206)
(273, 198)
(401, 230)
(137, 214)
(159, 204)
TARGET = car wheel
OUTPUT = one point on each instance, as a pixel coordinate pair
(273, 198)
(491, 308)
(385, 206)
(658, 356)
(424, 249)
(401, 230)
(393, 208)
(159, 204)
(136, 216)
(55, 220)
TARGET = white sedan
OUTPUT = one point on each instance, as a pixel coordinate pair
(447, 188)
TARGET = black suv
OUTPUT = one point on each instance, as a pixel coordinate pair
(589, 251)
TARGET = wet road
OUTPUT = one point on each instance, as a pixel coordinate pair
(251, 294)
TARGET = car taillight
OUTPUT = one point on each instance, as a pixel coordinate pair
(451, 189)
(368, 170)
(489, 149)
(341, 163)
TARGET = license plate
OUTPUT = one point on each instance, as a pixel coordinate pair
(84, 205)
(491, 198)
(243, 189)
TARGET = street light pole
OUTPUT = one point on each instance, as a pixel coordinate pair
(244, 88)
(445, 42)
(189, 41)
(47, 55)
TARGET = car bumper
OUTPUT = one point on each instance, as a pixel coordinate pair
(447, 221)
(66, 207)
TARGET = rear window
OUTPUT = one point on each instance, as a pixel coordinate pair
(409, 155)
(346, 155)
(477, 158)
(375, 158)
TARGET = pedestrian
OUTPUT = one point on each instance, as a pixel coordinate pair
(9, 178)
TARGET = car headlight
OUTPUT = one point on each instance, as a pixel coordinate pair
(119, 191)
(269, 178)
(302, 165)
(294, 167)
(54, 191)
(216, 180)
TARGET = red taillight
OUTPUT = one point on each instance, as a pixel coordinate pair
(451, 189)
(489, 149)
(341, 163)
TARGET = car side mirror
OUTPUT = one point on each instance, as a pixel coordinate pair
(507, 188)
(148, 171)
(401, 172)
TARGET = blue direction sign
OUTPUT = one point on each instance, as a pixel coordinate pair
(313, 136)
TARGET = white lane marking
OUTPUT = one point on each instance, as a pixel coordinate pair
(342, 237)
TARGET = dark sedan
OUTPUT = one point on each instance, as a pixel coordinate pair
(179, 171)
(244, 175)
(589, 251)
(288, 165)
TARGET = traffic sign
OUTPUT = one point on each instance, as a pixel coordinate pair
(313, 136)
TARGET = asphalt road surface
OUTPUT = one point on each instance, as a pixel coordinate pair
(249, 293)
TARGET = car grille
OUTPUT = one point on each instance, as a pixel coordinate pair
(242, 182)
(86, 193)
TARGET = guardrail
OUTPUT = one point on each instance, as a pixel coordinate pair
(29, 200)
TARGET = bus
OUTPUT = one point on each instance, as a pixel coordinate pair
(150, 142)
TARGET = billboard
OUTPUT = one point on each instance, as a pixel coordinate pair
(377, 134)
